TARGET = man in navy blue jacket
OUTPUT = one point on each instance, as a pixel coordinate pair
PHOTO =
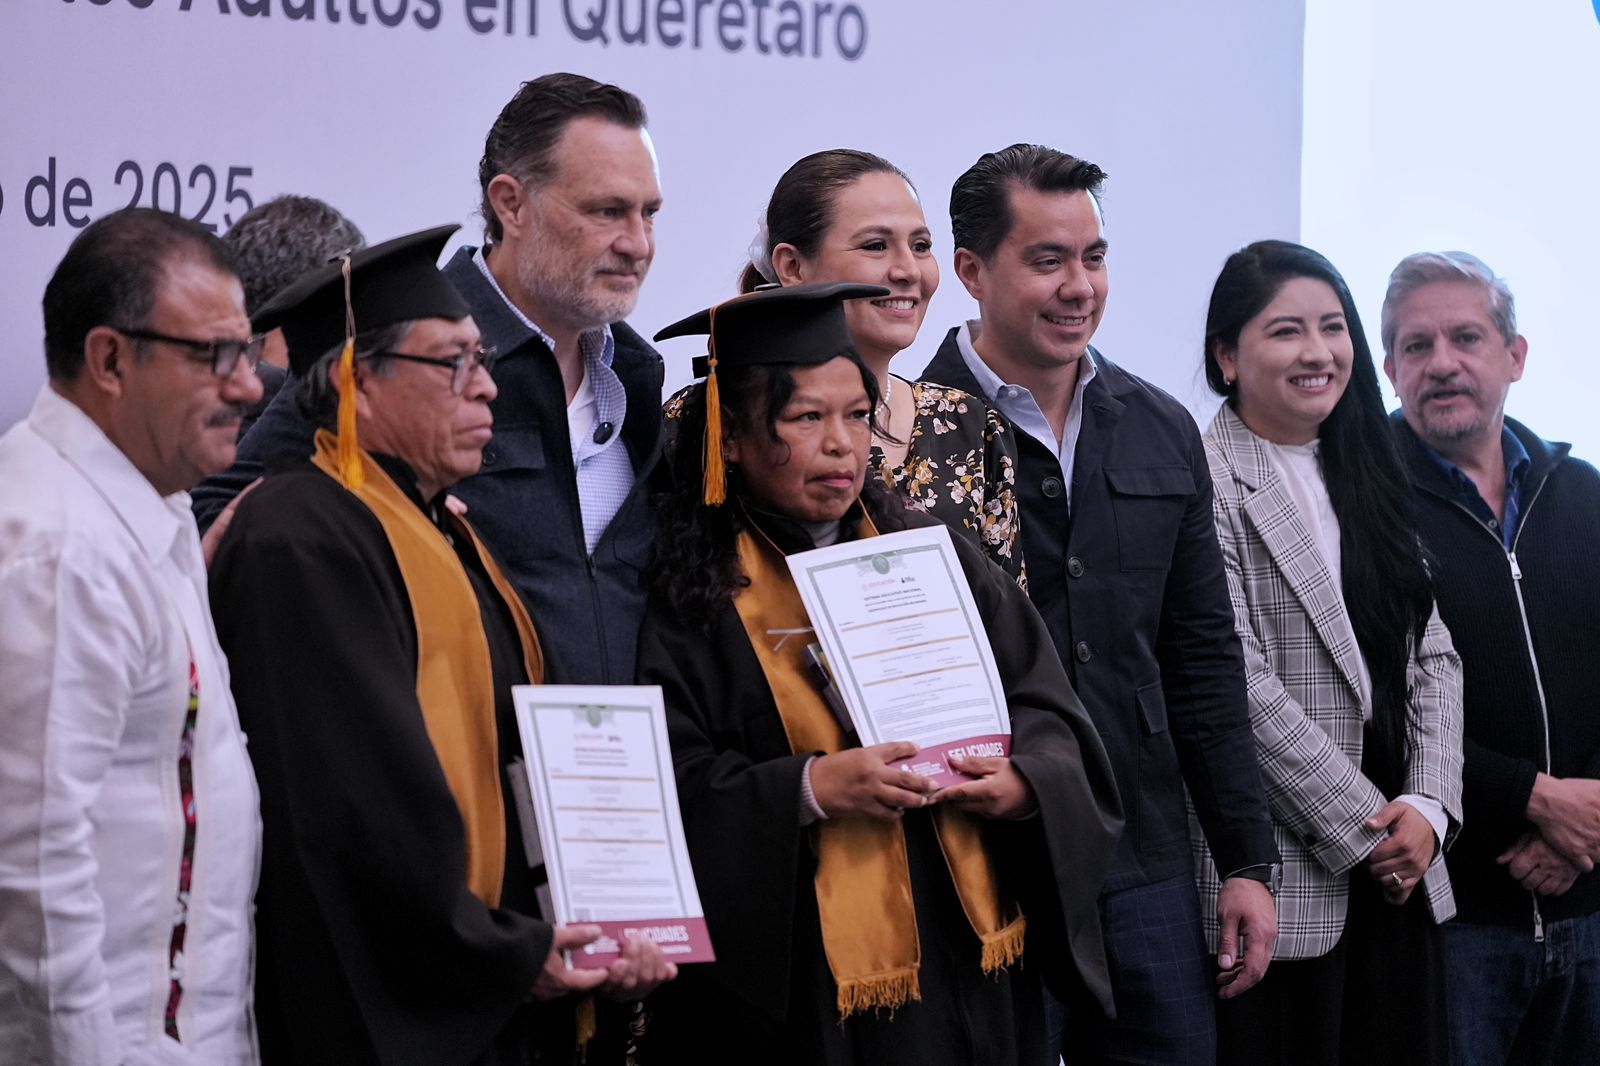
(570, 194)
(1124, 565)
(569, 197)
(1510, 521)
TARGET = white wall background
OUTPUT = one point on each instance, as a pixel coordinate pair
(1470, 124)
(1194, 110)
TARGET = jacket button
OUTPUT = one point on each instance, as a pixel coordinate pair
(488, 457)
(1075, 566)
(1051, 487)
(1082, 651)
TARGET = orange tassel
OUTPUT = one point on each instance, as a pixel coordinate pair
(349, 454)
(716, 471)
(716, 488)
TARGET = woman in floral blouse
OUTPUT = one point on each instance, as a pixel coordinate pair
(845, 215)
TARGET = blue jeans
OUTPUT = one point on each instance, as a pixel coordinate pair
(1160, 978)
(1514, 1000)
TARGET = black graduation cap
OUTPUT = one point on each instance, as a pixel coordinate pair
(801, 325)
(396, 281)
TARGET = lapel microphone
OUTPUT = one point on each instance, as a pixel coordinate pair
(603, 431)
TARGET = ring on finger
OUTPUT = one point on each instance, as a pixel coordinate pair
(1397, 880)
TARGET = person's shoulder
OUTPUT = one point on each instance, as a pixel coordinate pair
(49, 508)
(1130, 388)
(934, 398)
(301, 505)
(1154, 427)
(631, 347)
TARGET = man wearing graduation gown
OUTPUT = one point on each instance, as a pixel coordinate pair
(376, 642)
(993, 899)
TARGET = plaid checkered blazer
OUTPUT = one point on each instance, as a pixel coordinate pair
(1305, 703)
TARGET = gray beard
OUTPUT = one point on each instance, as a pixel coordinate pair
(567, 296)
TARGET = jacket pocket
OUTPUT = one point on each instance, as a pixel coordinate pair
(1163, 819)
(513, 448)
(1148, 503)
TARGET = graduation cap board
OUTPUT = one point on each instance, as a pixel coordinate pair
(385, 284)
(799, 325)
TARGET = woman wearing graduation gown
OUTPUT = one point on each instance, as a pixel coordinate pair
(1355, 690)
(856, 916)
(847, 215)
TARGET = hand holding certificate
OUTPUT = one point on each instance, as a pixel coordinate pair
(600, 771)
(907, 648)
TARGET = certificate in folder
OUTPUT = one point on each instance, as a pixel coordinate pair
(906, 647)
(599, 770)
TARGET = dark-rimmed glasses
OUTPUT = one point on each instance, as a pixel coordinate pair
(460, 366)
(223, 355)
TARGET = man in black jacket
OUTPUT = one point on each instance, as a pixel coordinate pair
(1511, 522)
(1123, 564)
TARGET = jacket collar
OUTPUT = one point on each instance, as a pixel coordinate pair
(1272, 514)
(1247, 456)
(1426, 473)
(791, 536)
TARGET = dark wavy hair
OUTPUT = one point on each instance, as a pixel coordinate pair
(801, 208)
(697, 556)
(1387, 589)
(980, 199)
(522, 141)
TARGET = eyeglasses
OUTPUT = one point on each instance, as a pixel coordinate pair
(223, 355)
(461, 366)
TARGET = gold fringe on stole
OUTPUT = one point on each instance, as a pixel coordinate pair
(878, 992)
(863, 880)
(716, 472)
(1005, 947)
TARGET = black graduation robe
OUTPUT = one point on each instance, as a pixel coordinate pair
(770, 996)
(370, 948)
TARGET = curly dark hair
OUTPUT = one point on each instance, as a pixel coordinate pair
(696, 568)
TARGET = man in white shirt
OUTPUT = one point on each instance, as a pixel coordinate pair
(129, 832)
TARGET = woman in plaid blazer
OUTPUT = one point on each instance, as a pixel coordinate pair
(1355, 690)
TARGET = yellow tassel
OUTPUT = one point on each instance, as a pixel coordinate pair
(349, 454)
(882, 992)
(586, 1024)
(716, 472)
(1002, 948)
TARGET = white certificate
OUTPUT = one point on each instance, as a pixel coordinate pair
(907, 648)
(600, 771)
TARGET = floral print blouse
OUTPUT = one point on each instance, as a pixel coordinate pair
(960, 467)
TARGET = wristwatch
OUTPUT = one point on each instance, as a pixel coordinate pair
(1268, 873)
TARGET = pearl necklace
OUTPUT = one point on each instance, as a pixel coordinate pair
(883, 404)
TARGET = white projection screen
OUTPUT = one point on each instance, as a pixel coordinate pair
(380, 107)
(1466, 124)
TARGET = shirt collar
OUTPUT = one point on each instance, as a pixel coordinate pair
(595, 344)
(1511, 447)
(155, 521)
(990, 382)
